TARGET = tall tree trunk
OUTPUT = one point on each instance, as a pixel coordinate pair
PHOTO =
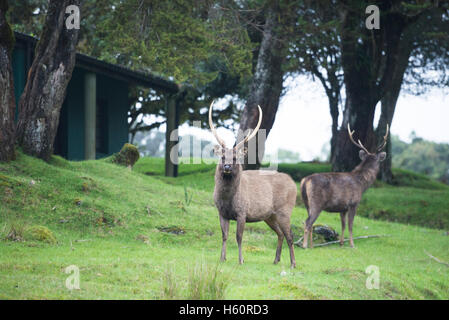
(388, 106)
(386, 117)
(48, 77)
(7, 100)
(266, 87)
(333, 108)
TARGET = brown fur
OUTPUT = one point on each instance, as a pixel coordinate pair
(338, 192)
(252, 196)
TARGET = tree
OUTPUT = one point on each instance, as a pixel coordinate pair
(201, 45)
(7, 100)
(267, 82)
(335, 45)
(316, 51)
(48, 77)
(374, 62)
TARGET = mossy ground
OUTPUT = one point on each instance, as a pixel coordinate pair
(111, 222)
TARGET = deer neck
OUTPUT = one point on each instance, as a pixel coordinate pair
(227, 185)
(365, 174)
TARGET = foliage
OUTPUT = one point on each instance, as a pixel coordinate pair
(27, 16)
(287, 156)
(422, 156)
(177, 38)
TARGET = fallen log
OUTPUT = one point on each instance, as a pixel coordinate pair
(299, 242)
(436, 259)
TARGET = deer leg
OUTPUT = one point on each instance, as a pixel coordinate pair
(311, 237)
(239, 236)
(305, 238)
(308, 230)
(351, 215)
(272, 223)
(284, 224)
(224, 223)
(343, 225)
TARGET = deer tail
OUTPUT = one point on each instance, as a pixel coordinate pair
(304, 193)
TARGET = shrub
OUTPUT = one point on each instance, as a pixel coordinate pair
(128, 156)
(40, 233)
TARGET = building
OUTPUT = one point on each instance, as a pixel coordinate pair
(94, 116)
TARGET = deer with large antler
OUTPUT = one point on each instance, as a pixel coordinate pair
(249, 196)
(340, 191)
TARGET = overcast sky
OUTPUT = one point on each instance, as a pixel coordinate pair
(303, 122)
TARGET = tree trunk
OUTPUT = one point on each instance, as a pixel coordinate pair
(360, 117)
(386, 117)
(370, 63)
(388, 106)
(48, 77)
(7, 100)
(266, 87)
(333, 108)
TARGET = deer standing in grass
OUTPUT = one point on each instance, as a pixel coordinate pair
(340, 191)
(251, 196)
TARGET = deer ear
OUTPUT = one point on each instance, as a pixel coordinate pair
(381, 156)
(218, 150)
(362, 155)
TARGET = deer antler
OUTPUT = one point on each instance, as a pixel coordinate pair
(247, 138)
(253, 133)
(212, 128)
(359, 144)
(384, 143)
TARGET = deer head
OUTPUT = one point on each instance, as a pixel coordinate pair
(229, 162)
(364, 154)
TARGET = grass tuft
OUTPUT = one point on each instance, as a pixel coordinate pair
(207, 283)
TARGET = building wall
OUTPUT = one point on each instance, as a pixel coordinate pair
(74, 116)
(112, 94)
(115, 93)
(19, 73)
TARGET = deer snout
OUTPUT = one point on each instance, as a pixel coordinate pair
(227, 168)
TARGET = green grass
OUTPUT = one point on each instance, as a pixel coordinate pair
(108, 222)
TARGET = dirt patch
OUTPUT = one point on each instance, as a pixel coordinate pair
(173, 230)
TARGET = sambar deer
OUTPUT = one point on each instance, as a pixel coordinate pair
(340, 191)
(250, 196)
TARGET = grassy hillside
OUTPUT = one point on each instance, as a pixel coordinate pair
(413, 199)
(139, 235)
